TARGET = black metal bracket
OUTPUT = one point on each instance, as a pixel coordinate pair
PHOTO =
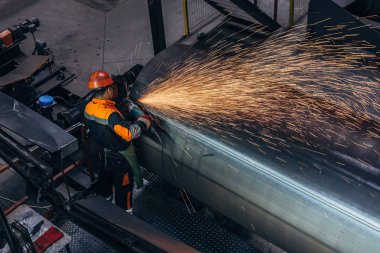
(250, 9)
(33, 170)
(254, 11)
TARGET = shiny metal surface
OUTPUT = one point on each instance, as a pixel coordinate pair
(35, 128)
(300, 210)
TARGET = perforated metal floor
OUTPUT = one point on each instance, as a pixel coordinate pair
(12, 187)
(84, 242)
(172, 217)
(151, 204)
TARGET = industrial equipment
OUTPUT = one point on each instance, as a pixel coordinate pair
(301, 211)
(26, 77)
(39, 132)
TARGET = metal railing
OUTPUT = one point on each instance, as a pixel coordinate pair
(197, 13)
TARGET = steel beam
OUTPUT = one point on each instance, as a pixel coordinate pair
(254, 11)
(157, 25)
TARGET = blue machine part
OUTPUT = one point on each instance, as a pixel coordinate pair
(46, 100)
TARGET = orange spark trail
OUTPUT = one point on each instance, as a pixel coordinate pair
(308, 89)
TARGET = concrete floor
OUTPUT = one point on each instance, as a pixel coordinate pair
(74, 32)
(86, 35)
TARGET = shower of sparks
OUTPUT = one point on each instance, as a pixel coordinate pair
(285, 90)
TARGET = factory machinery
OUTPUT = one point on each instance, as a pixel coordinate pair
(299, 210)
(39, 136)
(306, 211)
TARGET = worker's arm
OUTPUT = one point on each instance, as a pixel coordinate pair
(126, 129)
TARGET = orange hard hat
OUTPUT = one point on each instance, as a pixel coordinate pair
(99, 79)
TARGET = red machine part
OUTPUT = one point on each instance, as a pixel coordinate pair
(51, 236)
(6, 38)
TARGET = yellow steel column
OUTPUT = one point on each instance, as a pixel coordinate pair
(186, 18)
(291, 13)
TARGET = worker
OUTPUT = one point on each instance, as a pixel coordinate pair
(113, 132)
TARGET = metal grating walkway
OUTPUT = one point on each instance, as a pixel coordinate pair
(172, 217)
(84, 242)
(12, 186)
(152, 205)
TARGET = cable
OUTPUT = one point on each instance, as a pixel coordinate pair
(14, 247)
(65, 180)
(35, 44)
(65, 102)
(154, 131)
(24, 235)
(14, 202)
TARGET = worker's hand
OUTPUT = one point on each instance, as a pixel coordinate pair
(146, 119)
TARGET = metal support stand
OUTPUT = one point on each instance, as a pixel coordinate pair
(291, 13)
(157, 25)
(255, 12)
(186, 18)
(275, 10)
